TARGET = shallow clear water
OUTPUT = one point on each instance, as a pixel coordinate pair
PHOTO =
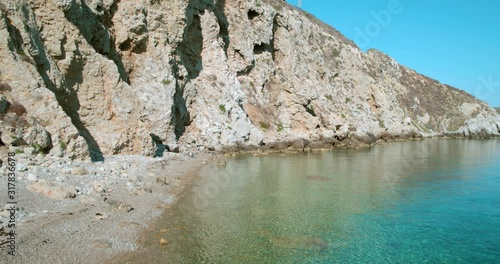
(431, 201)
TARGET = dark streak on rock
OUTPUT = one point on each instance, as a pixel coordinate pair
(65, 95)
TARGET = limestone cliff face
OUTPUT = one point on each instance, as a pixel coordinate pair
(138, 76)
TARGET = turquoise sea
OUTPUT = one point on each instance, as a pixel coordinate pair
(430, 201)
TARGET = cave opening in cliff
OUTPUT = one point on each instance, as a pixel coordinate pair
(261, 48)
(252, 14)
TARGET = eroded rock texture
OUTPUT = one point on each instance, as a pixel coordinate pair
(143, 76)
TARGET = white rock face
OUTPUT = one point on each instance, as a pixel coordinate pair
(141, 77)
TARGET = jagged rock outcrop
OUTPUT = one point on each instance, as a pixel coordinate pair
(109, 76)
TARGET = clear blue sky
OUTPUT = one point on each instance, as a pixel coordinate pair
(453, 41)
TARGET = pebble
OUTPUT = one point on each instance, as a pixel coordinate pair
(120, 206)
(86, 199)
(132, 178)
(98, 186)
(21, 167)
(79, 171)
(125, 165)
(164, 242)
(130, 186)
(100, 216)
(129, 224)
(32, 177)
(162, 206)
(169, 199)
(4, 214)
(162, 181)
(29, 151)
(100, 243)
(221, 163)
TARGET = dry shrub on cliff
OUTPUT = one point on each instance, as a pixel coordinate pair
(12, 120)
(15, 115)
(17, 109)
(387, 136)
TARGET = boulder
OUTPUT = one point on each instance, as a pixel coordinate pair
(298, 144)
(38, 138)
(9, 137)
(21, 167)
(29, 151)
(79, 171)
(52, 189)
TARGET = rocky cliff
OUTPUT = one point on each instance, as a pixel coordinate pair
(96, 77)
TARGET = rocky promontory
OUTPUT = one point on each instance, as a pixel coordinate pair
(86, 78)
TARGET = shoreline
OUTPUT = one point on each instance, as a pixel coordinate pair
(83, 212)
